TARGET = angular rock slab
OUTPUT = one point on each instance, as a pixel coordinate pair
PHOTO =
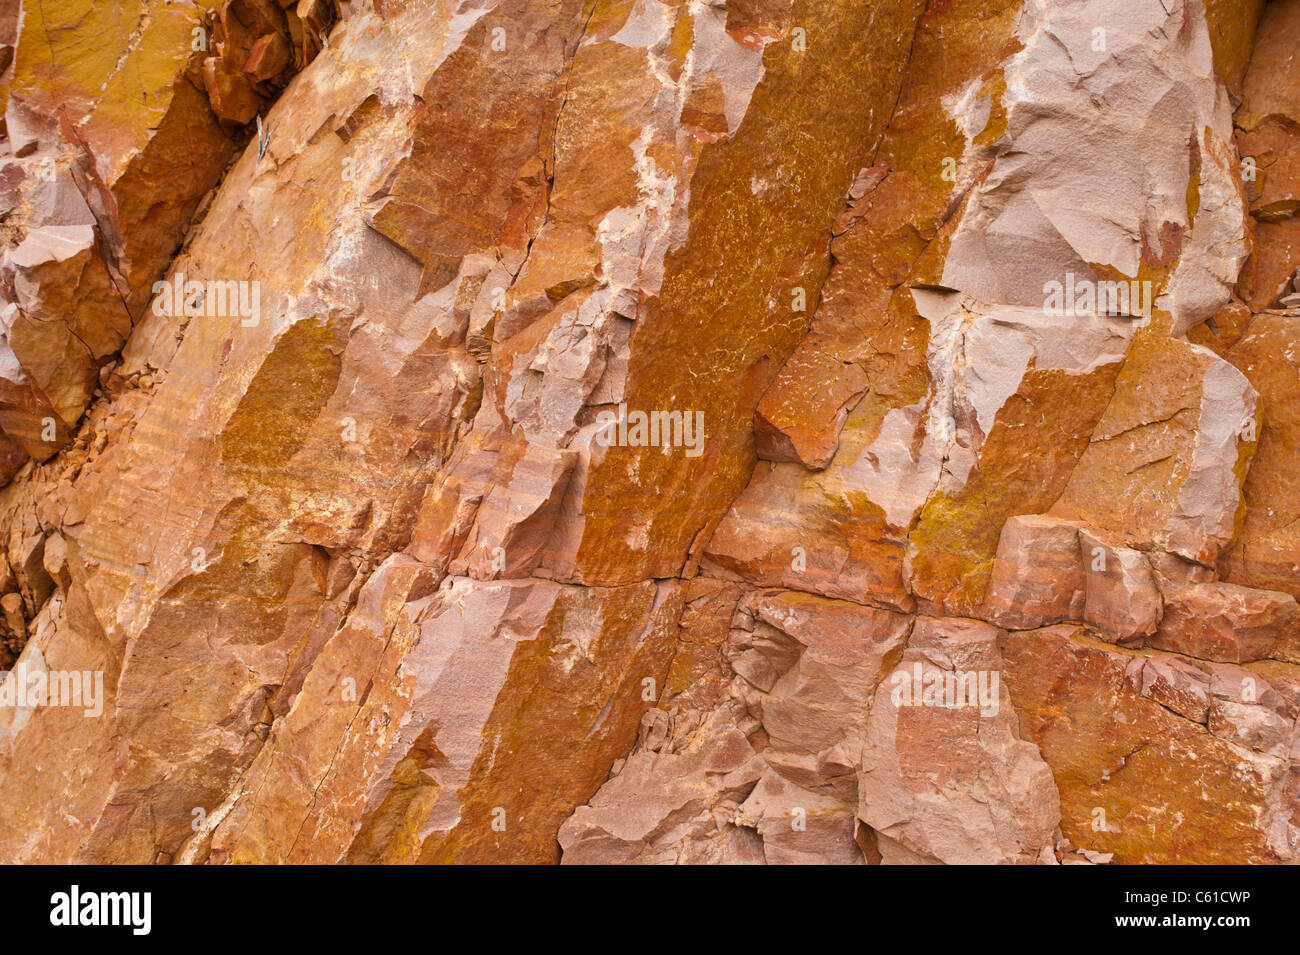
(944, 775)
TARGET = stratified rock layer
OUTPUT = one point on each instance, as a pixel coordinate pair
(627, 431)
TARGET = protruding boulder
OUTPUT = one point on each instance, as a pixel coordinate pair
(1037, 577)
(1122, 599)
(1229, 623)
(1164, 468)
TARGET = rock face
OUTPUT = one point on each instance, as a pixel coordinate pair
(643, 431)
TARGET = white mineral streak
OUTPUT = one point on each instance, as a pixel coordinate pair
(1100, 105)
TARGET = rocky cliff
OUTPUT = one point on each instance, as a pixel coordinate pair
(603, 431)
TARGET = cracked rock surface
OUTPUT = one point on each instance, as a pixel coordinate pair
(650, 431)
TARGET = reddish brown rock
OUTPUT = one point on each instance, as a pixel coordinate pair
(1049, 569)
(1229, 623)
(1121, 597)
(1038, 576)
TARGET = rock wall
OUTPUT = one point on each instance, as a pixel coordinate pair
(603, 431)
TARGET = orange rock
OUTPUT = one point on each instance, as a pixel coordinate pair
(338, 518)
(1136, 779)
(1266, 553)
(778, 535)
(112, 159)
(1164, 467)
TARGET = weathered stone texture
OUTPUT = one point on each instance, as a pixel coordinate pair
(960, 524)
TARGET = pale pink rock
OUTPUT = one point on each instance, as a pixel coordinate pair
(815, 710)
(806, 669)
(1203, 523)
(1241, 685)
(1090, 203)
(953, 784)
(515, 525)
(1178, 685)
(1173, 571)
(673, 801)
(800, 827)
(1251, 726)
(1122, 599)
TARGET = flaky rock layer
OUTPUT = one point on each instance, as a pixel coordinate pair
(629, 431)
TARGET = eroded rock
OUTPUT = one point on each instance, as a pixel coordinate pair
(642, 431)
